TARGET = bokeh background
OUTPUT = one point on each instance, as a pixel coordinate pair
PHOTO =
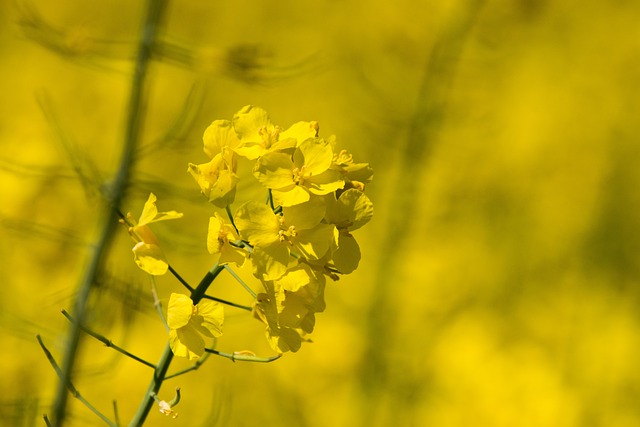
(499, 279)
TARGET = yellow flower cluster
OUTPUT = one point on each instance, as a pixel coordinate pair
(294, 241)
(304, 235)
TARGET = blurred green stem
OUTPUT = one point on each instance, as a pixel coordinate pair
(113, 195)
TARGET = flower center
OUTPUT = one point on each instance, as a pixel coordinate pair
(298, 175)
(284, 234)
(269, 138)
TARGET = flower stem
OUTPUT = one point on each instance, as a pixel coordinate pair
(113, 195)
(160, 373)
(107, 342)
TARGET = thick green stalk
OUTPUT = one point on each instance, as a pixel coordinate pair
(113, 196)
(160, 373)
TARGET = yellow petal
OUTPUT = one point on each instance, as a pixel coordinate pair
(249, 121)
(149, 258)
(150, 212)
(186, 342)
(179, 311)
(212, 315)
(257, 223)
(218, 135)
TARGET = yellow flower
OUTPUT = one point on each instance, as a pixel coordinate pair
(288, 307)
(354, 174)
(217, 178)
(350, 211)
(187, 323)
(147, 253)
(275, 238)
(219, 241)
(259, 136)
(293, 179)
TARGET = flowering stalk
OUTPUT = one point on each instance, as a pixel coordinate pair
(160, 373)
(155, 12)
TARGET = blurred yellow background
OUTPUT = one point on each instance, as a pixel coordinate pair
(499, 279)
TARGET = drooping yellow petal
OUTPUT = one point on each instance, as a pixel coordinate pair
(295, 278)
(347, 257)
(179, 311)
(212, 314)
(325, 182)
(186, 342)
(177, 347)
(150, 258)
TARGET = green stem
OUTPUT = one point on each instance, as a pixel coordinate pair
(243, 357)
(154, 387)
(228, 209)
(70, 387)
(107, 342)
(160, 373)
(114, 195)
(229, 303)
(244, 285)
(180, 279)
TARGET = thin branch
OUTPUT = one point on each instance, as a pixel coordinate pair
(180, 279)
(228, 209)
(229, 303)
(244, 285)
(115, 413)
(242, 356)
(193, 367)
(70, 387)
(156, 302)
(270, 200)
(107, 342)
(160, 373)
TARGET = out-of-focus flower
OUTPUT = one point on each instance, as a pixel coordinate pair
(147, 252)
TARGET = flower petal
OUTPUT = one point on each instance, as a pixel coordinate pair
(249, 121)
(315, 155)
(257, 223)
(273, 170)
(347, 257)
(189, 338)
(212, 315)
(218, 135)
(179, 311)
(270, 262)
(150, 258)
